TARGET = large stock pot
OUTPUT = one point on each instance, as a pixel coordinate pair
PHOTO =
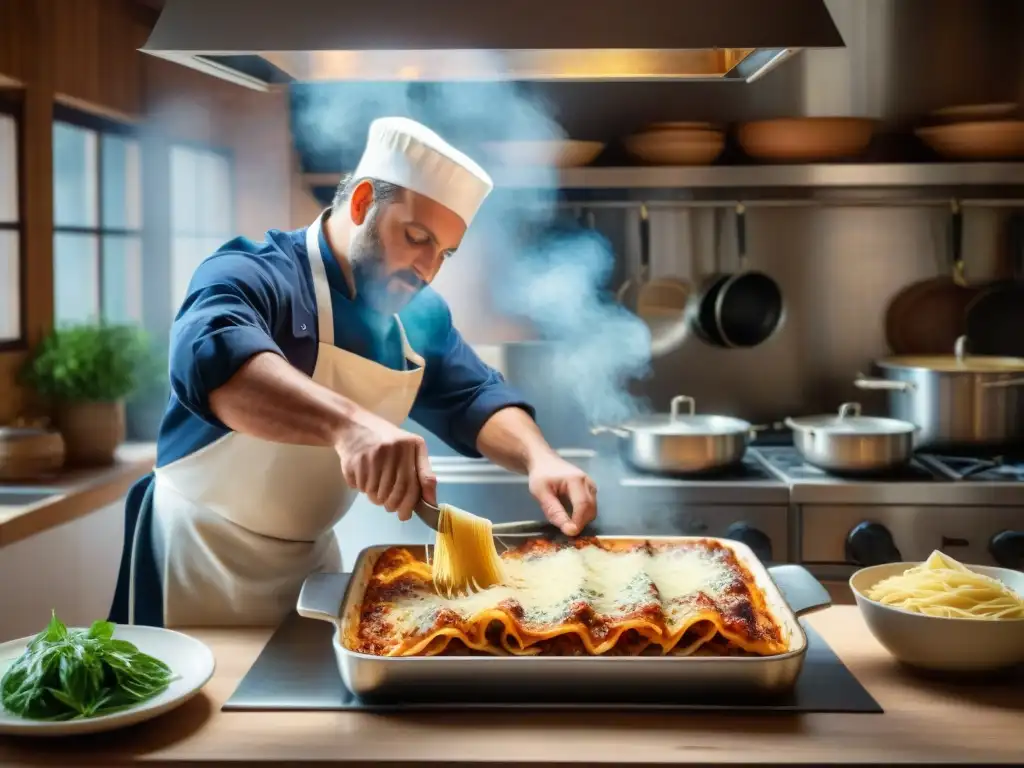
(956, 400)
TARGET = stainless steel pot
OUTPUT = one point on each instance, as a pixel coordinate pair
(853, 444)
(956, 400)
(682, 443)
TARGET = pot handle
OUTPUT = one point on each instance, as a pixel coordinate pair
(775, 425)
(867, 382)
(846, 410)
(1004, 384)
(620, 294)
(322, 595)
(791, 424)
(678, 400)
(617, 431)
(801, 590)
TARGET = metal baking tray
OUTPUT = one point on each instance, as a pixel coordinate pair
(410, 678)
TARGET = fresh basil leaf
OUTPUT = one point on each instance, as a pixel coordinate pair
(101, 630)
(121, 646)
(67, 699)
(55, 631)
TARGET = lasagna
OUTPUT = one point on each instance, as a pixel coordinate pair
(587, 597)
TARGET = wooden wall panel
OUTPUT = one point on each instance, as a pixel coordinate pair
(15, 47)
(97, 61)
(76, 44)
(91, 46)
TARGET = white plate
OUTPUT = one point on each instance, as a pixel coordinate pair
(189, 659)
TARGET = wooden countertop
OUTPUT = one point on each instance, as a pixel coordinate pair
(79, 492)
(925, 722)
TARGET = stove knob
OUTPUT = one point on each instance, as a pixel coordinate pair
(757, 540)
(871, 544)
(1007, 549)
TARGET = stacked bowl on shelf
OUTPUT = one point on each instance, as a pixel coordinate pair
(533, 153)
(806, 139)
(976, 132)
(676, 143)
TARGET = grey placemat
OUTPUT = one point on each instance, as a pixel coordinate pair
(297, 670)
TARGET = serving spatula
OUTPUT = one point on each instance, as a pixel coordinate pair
(430, 515)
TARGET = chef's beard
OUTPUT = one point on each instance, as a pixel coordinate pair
(384, 292)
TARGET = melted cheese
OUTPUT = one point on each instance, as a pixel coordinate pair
(546, 587)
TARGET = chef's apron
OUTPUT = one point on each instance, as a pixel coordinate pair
(239, 524)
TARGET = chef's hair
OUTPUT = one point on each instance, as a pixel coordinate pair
(383, 191)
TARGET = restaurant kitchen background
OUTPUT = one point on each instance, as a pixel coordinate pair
(840, 239)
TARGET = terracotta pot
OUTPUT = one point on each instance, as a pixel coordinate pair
(92, 431)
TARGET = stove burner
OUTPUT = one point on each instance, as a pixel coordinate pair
(791, 463)
(996, 468)
(749, 469)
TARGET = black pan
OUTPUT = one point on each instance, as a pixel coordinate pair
(748, 306)
(702, 317)
(995, 318)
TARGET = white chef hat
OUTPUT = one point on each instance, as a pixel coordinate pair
(403, 152)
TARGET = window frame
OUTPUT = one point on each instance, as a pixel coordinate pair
(99, 125)
(232, 184)
(12, 104)
(213, 149)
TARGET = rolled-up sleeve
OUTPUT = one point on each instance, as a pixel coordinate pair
(227, 317)
(460, 393)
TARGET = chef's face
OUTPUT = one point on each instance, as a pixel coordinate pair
(399, 245)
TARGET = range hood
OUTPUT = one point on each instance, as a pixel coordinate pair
(266, 43)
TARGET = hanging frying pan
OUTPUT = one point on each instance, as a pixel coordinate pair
(628, 293)
(662, 301)
(927, 317)
(995, 318)
(902, 311)
(748, 306)
(701, 315)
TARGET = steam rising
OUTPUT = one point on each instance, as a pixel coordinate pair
(542, 266)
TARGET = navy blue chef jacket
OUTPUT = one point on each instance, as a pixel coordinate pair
(256, 297)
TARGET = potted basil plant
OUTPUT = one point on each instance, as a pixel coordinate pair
(87, 372)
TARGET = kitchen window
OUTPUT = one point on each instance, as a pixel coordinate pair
(12, 278)
(201, 212)
(97, 204)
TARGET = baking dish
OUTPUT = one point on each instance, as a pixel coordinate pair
(336, 598)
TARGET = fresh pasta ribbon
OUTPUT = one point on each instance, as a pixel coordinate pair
(465, 558)
(943, 587)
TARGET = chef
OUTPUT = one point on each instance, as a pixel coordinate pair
(293, 363)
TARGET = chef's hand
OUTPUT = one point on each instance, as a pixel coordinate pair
(553, 479)
(386, 463)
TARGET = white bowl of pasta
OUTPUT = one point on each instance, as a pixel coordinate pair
(944, 616)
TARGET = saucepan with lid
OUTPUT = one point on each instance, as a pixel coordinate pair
(682, 443)
(849, 443)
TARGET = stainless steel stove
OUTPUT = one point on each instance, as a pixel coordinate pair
(749, 504)
(971, 508)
